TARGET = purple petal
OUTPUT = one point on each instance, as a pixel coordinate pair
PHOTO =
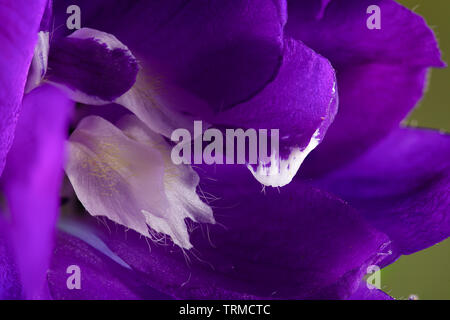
(254, 71)
(19, 23)
(296, 243)
(239, 42)
(402, 186)
(31, 182)
(342, 36)
(47, 17)
(94, 65)
(373, 99)
(101, 277)
(381, 73)
(301, 102)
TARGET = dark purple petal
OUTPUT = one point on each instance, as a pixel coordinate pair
(297, 242)
(373, 99)
(101, 276)
(342, 36)
(270, 82)
(94, 64)
(301, 102)
(47, 17)
(31, 182)
(19, 23)
(238, 42)
(402, 186)
(381, 73)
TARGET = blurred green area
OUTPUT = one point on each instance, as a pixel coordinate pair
(434, 110)
(427, 273)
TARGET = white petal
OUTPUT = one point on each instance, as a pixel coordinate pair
(39, 63)
(163, 107)
(280, 172)
(180, 181)
(120, 175)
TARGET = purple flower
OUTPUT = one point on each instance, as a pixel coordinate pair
(304, 226)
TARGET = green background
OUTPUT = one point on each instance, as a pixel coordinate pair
(427, 273)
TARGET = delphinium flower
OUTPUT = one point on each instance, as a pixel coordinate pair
(349, 188)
